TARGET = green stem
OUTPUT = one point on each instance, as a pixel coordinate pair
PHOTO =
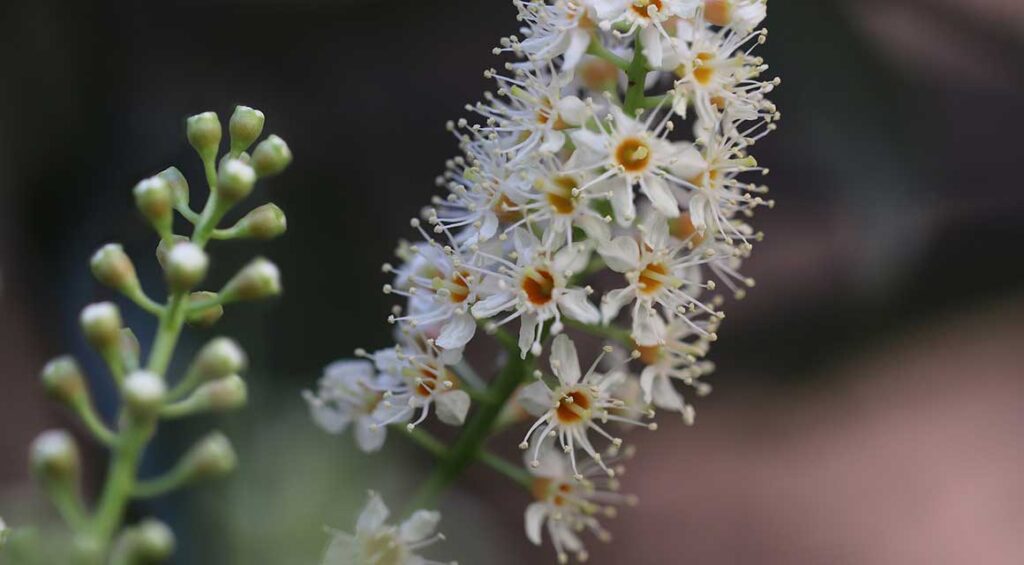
(510, 470)
(163, 484)
(611, 332)
(597, 49)
(146, 303)
(470, 443)
(120, 481)
(167, 334)
(636, 73)
(69, 505)
(94, 423)
(424, 439)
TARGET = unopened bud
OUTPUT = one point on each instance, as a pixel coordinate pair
(112, 267)
(266, 222)
(54, 456)
(235, 180)
(178, 184)
(63, 380)
(245, 126)
(212, 457)
(155, 199)
(259, 279)
(144, 393)
(204, 133)
(220, 358)
(164, 248)
(207, 316)
(222, 395)
(101, 324)
(185, 266)
(271, 156)
(148, 543)
(130, 349)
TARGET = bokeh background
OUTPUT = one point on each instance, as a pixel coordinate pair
(869, 402)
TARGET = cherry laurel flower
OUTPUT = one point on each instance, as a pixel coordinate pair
(377, 543)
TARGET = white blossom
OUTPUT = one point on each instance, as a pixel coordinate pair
(375, 542)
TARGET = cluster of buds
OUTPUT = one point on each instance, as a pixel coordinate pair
(614, 150)
(212, 382)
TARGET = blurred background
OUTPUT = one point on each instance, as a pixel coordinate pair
(869, 402)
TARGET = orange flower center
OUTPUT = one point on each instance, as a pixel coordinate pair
(598, 74)
(718, 12)
(703, 71)
(633, 154)
(653, 278)
(649, 354)
(640, 7)
(538, 284)
(507, 210)
(682, 228)
(574, 406)
(560, 196)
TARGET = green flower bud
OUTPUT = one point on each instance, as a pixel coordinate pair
(144, 394)
(148, 543)
(271, 156)
(245, 126)
(163, 248)
(204, 133)
(207, 316)
(101, 324)
(179, 185)
(129, 349)
(265, 222)
(220, 358)
(185, 266)
(155, 199)
(54, 456)
(112, 267)
(259, 279)
(63, 380)
(235, 180)
(212, 457)
(222, 395)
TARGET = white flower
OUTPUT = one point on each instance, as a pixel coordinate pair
(422, 378)
(377, 543)
(740, 15)
(679, 358)
(649, 17)
(536, 288)
(351, 392)
(632, 153)
(569, 507)
(573, 407)
(561, 28)
(659, 272)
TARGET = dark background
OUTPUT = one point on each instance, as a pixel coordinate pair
(869, 399)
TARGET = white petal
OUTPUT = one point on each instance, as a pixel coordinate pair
(613, 301)
(535, 398)
(687, 162)
(332, 419)
(564, 361)
(457, 332)
(373, 514)
(535, 515)
(553, 141)
(698, 208)
(452, 407)
(488, 227)
(341, 550)
(572, 110)
(528, 326)
(647, 377)
(621, 254)
(656, 232)
(345, 369)
(419, 526)
(589, 140)
(648, 327)
(595, 228)
(665, 396)
(525, 243)
(651, 38)
(493, 304)
(661, 197)
(622, 203)
(579, 41)
(369, 437)
(573, 302)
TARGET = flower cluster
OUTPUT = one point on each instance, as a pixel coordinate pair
(613, 152)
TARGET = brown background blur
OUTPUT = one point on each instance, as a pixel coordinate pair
(869, 402)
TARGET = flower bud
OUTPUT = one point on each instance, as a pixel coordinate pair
(220, 358)
(54, 456)
(112, 267)
(63, 380)
(259, 279)
(235, 180)
(265, 222)
(179, 185)
(144, 393)
(245, 126)
(101, 324)
(207, 316)
(212, 457)
(204, 133)
(271, 156)
(155, 199)
(129, 349)
(149, 542)
(164, 248)
(222, 395)
(185, 266)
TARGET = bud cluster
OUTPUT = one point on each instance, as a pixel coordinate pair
(211, 384)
